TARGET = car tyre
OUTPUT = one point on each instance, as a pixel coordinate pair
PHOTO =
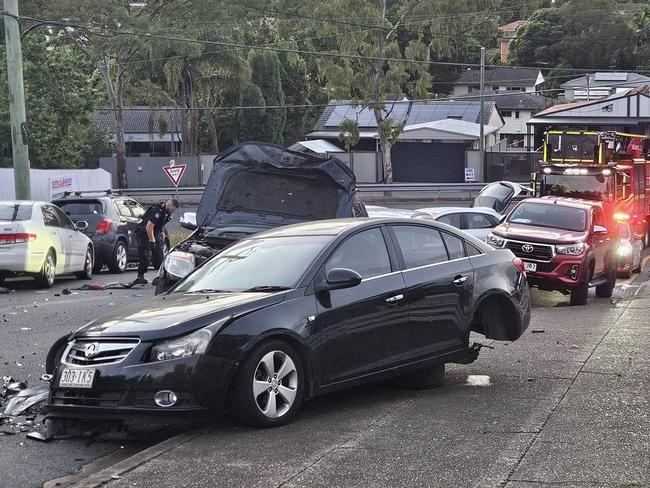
(45, 278)
(268, 388)
(422, 380)
(579, 295)
(606, 289)
(119, 258)
(87, 272)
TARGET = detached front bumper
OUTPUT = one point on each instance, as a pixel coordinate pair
(200, 382)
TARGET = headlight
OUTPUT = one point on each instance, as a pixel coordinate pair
(179, 264)
(189, 345)
(495, 240)
(572, 249)
(625, 249)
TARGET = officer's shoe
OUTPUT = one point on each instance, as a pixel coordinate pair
(140, 280)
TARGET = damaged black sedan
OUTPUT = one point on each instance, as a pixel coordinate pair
(296, 312)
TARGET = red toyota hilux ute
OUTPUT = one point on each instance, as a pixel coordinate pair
(566, 245)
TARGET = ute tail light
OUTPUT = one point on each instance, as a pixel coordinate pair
(519, 264)
(20, 238)
(104, 226)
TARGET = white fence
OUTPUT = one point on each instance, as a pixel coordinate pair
(46, 183)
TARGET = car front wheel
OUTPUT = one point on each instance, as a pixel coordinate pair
(268, 388)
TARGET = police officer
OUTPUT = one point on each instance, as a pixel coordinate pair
(149, 235)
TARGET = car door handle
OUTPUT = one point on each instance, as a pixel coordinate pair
(395, 299)
(459, 280)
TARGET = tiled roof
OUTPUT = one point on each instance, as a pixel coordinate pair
(606, 79)
(503, 75)
(507, 100)
(139, 120)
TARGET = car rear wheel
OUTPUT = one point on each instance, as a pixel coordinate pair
(87, 272)
(606, 289)
(268, 388)
(119, 259)
(45, 278)
(422, 380)
(579, 295)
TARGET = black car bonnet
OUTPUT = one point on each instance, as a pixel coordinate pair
(269, 185)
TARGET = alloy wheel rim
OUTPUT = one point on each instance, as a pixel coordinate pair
(49, 269)
(121, 257)
(89, 264)
(275, 384)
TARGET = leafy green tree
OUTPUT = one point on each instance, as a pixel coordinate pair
(252, 123)
(266, 74)
(640, 25)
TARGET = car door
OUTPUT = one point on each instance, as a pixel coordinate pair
(362, 329)
(601, 241)
(478, 224)
(56, 237)
(439, 279)
(75, 242)
(129, 213)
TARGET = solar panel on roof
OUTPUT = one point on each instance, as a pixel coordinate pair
(610, 77)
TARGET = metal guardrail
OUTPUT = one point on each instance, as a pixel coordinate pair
(361, 187)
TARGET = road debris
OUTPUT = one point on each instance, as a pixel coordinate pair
(4, 290)
(538, 331)
(37, 436)
(24, 399)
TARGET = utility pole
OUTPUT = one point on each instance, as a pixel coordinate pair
(588, 88)
(482, 131)
(20, 152)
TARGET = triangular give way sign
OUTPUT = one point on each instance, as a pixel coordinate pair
(175, 172)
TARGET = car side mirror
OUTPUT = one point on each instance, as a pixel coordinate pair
(599, 229)
(339, 279)
(188, 221)
(81, 225)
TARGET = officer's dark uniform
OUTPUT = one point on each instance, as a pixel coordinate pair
(147, 251)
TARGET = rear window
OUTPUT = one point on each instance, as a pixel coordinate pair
(554, 216)
(16, 211)
(86, 207)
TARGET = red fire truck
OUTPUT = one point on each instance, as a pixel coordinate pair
(611, 167)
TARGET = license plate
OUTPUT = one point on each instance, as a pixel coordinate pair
(530, 266)
(77, 378)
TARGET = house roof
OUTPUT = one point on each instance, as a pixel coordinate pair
(508, 100)
(470, 130)
(607, 79)
(503, 75)
(421, 112)
(512, 26)
(319, 146)
(139, 120)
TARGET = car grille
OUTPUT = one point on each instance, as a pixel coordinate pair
(105, 399)
(541, 252)
(88, 352)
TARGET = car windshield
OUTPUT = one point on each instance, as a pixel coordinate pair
(547, 215)
(572, 147)
(86, 207)
(589, 187)
(257, 265)
(15, 211)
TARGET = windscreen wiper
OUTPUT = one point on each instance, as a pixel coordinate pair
(209, 290)
(268, 288)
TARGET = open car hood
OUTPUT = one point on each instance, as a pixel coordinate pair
(267, 185)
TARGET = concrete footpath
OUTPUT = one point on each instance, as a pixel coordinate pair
(566, 405)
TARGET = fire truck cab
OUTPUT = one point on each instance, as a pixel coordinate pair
(609, 167)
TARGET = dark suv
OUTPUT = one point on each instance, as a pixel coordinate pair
(566, 245)
(112, 221)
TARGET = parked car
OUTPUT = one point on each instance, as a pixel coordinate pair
(475, 221)
(564, 243)
(254, 187)
(630, 250)
(112, 221)
(296, 312)
(378, 212)
(37, 239)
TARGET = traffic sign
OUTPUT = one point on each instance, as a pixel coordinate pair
(175, 172)
(469, 175)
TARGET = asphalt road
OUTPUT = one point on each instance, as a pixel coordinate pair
(373, 429)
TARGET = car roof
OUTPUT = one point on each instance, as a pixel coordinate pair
(565, 202)
(22, 202)
(444, 210)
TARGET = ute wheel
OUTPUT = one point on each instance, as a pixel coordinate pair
(422, 380)
(579, 294)
(45, 278)
(606, 289)
(54, 354)
(87, 272)
(268, 388)
(119, 259)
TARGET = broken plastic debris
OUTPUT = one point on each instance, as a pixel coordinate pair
(25, 328)
(24, 399)
(46, 377)
(538, 331)
(65, 291)
(37, 436)
(574, 346)
(478, 380)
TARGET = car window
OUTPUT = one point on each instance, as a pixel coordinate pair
(136, 209)
(49, 216)
(86, 207)
(420, 246)
(454, 244)
(15, 211)
(64, 220)
(472, 250)
(598, 217)
(478, 221)
(450, 219)
(364, 253)
(123, 208)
